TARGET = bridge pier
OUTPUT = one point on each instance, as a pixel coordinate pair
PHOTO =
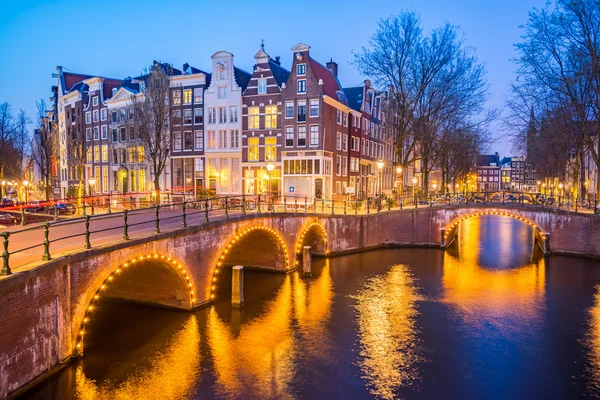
(443, 238)
(546, 243)
(307, 261)
(237, 287)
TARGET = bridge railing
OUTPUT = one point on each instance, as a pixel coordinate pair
(22, 246)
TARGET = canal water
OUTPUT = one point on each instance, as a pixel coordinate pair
(489, 319)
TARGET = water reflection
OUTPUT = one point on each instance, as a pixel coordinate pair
(170, 374)
(593, 345)
(389, 345)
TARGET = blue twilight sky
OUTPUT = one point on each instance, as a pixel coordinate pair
(119, 38)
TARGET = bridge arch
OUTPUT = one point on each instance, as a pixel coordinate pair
(235, 240)
(311, 233)
(84, 315)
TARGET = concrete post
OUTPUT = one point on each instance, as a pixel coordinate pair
(547, 243)
(307, 260)
(237, 287)
(443, 238)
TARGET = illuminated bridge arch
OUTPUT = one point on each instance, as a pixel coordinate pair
(312, 233)
(240, 236)
(113, 278)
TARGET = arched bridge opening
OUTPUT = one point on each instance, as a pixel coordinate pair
(315, 236)
(152, 279)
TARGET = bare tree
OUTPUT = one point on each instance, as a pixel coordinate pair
(151, 119)
(44, 147)
(7, 128)
(22, 140)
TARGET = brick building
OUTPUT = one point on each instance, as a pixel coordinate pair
(488, 173)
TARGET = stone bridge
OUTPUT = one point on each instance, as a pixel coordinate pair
(47, 306)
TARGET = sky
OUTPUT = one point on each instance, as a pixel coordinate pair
(117, 38)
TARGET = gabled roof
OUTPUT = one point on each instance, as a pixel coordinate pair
(486, 160)
(355, 97)
(280, 74)
(331, 85)
(208, 75)
(242, 77)
(70, 80)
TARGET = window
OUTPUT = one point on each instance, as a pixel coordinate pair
(270, 149)
(345, 119)
(142, 176)
(103, 114)
(176, 141)
(187, 117)
(253, 149)
(222, 139)
(188, 143)
(262, 85)
(233, 114)
(123, 155)
(176, 117)
(88, 155)
(289, 109)
(212, 140)
(314, 108)
(105, 153)
(176, 96)
(198, 115)
(338, 141)
(95, 100)
(301, 86)
(362, 142)
(234, 139)
(301, 110)
(198, 96)
(121, 115)
(338, 165)
(222, 115)
(344, 166)
(253, 118)
(212, 115)
(345, 142)
(88, 134)
(115, 135)
(96, 133)
(131, 133)
(302, 136)
(115, 157)
(114, 116)
(222, 72)
(222, 92)
(88, 117)
(132, 181)
(131, 113)
(96, 153)
(339, 117)
(104, 132)
(301, 69)
(141, 154)
(271, 116)
(187, 96)
(131, 155)
(289, 136)
(105, 179)
(199, 140)
(314, 135)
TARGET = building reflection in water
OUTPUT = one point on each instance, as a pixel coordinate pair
(171, 374)
(386, 309)
(507, 292)
(259, 358)
(592, 342)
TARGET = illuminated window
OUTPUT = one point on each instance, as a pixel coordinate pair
(176, 97)
(105, 179)
(105, 152)
(253, 118)
(131, 155)
(142, 176)
(88, 156)
(187, 96)
(140, 151)
(253, 149)
(96, 153)
(271, 116)
(271, 149)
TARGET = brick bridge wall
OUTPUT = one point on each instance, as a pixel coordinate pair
(44, 304)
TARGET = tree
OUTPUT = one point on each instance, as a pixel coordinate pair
(436, 86)
(44, 147)
(151, 119)
(7, 128)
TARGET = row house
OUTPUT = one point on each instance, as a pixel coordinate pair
(262, 131)
(488, 173)
(187, 130)
(223, 125)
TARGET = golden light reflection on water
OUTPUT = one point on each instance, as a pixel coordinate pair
(172, 374)
(389, 345)
(496, 296)
(592, 342)
(259, 361)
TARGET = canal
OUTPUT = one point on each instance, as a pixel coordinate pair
(489, 318)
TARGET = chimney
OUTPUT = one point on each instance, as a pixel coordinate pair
(333, 67)
(277, 60)
(185, 67)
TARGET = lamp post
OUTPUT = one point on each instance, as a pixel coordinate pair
(414, 182)
(92, 182)
(399, 178)
(380, 165)
(270, 168)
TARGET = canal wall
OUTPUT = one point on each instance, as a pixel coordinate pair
(45, 306)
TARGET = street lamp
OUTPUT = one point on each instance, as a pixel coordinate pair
(380, 165)
(414, 182)
(560, 187)
(399, 179)
(270, 168)
(434, 186)
(92, 182)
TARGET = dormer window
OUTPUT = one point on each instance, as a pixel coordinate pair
(301, 69)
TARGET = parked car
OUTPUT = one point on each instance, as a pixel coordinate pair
(36, 206)
(62, 208)
(8, 219)
(6, 202)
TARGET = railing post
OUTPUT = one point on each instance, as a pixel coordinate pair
(5, 254)
(415, 200)
(22, 216)
(46, 256)
(401, 202)
(296, 204)
(131, 202)
(332, 206)
(55, 212)
(206, 210)
(345, 207)
(183, 215)
(125, 226)
(258, 203)
(226, 207)
(87, 244)
(157, 228)
(368, 206)
(109, 210)
(243, 204)
(284, 203)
